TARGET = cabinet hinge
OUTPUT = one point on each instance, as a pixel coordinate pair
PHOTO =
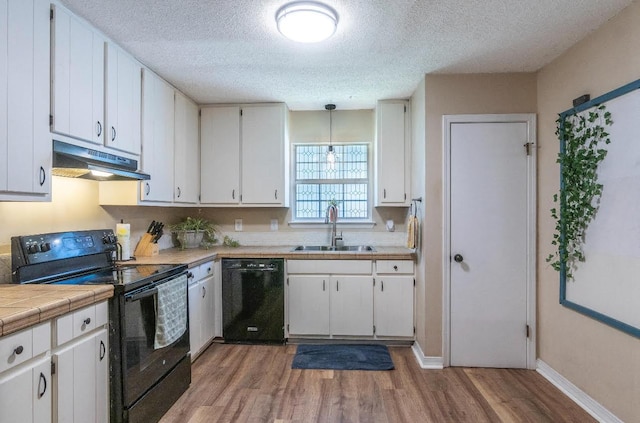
(53, 367)
(240, 112)
(287, 281)
(528, 331)
(527, 148)
(374, 329)
(51, 14)
(50, 120)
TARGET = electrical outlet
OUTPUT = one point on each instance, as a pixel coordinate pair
(274, 224)
(238, 225)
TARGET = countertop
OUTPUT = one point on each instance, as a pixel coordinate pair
(22, 306)
(196, 256)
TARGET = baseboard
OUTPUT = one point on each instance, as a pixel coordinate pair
(578, 396)
(433, 363)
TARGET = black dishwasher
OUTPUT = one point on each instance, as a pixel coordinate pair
(253, 300)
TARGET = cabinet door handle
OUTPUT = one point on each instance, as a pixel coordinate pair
(323, 285)
(233, 194)
(276, 194)
(18, 350)
(113, 133)
(42, 383)
(179, 192)
(384, 193)
(204, 291)
(43, 176)
(98, 128)
(381, 286)
(148, 188)
(337, 286)
(103, 350)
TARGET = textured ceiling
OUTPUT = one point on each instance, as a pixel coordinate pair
(228, 51)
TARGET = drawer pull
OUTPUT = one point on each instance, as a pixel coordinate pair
(395, 268)
(103, 350)
(87, 321)
(19, 349)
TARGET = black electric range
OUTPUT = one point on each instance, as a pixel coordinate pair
(150, 365)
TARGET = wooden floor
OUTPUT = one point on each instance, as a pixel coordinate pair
(255, 383)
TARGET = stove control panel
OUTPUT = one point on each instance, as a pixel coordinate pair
(42, 248)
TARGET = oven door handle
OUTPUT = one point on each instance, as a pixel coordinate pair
(140, 295)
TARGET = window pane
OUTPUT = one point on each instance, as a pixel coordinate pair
(318, 183)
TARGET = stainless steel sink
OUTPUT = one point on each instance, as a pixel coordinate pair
(329, 248)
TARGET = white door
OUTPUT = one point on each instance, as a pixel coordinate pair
(489, 243)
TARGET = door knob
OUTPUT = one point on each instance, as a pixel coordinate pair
(458, 258)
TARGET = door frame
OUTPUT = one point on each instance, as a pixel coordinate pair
(447, 121)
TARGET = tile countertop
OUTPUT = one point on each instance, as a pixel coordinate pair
(22, 306)
(196, 256)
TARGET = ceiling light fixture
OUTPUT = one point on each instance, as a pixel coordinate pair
(306, 21)
(331, 155)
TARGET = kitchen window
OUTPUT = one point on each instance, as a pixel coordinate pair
(317, 182)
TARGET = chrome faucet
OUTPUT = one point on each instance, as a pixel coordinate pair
(331, 216)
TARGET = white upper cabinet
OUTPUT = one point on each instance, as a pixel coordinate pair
(186, 151)
(263, 155)
(122, 118)
(77, 83)
(393, 153)
(157, 138)
(244, 155)
(220, 155)
(25, 142)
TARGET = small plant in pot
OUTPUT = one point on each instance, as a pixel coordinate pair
(195, 232)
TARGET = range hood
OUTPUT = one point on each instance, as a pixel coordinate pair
(73, 161)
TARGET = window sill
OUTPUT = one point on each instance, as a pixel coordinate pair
(300, 224)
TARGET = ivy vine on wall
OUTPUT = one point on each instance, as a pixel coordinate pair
(583, 137)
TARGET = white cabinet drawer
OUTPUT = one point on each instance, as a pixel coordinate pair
(394, 266)
(331, 267)
(206, 269)
(81, 321)
(21, 346)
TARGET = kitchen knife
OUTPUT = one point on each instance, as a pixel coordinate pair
(153, 222)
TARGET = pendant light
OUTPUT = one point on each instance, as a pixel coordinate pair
(331, 155)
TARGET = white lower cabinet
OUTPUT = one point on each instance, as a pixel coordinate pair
(25, 376)
(201, 308)
(330, 298)
(81, 366)
(309, 305)
(394, 298)
(352, 305)
(346, 299)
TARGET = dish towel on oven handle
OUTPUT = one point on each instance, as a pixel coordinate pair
(171, 312)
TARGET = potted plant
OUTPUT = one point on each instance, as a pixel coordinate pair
(194, 232)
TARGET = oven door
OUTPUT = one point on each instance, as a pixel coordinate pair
(147, 319)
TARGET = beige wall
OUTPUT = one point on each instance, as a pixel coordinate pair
(600, 360)
(457, 94)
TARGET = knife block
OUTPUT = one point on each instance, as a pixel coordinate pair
(146, 247)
